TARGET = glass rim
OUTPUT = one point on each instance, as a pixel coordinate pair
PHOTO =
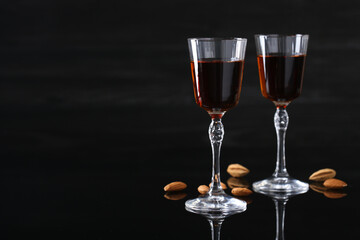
(217, 38)
(282, 35)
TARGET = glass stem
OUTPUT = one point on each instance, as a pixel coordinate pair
(216, 135)
(281, 120)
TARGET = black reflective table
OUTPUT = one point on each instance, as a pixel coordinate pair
(128, 201)
(91, 173)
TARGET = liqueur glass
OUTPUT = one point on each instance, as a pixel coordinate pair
(217, 68)
(281, 61)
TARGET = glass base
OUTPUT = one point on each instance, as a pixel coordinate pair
(280, 185)
(216, 204)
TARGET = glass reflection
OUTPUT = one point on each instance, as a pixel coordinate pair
(280, 200)
(215, 219)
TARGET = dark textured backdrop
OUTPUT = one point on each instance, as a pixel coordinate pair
(99, 93)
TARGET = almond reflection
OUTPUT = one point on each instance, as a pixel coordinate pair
(318, 187)
(333, 194)
(175, 195)
(247, 199)
(234, 182)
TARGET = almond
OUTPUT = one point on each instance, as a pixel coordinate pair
(323, 174)
(241, 191)
(334, 183)
(237, 170)
(233, 182)
(203, 189)
(223, 185)
(175, 186)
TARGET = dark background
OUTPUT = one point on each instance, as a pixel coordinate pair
(98, 114)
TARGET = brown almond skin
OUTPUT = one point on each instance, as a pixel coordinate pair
(175, 186)
(237, 170)
(323, 174)
(203, 189)
(223, 185)
(334, 183)
(241, 192)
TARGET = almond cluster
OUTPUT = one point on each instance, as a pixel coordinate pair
(324, 182)
(239, 186)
